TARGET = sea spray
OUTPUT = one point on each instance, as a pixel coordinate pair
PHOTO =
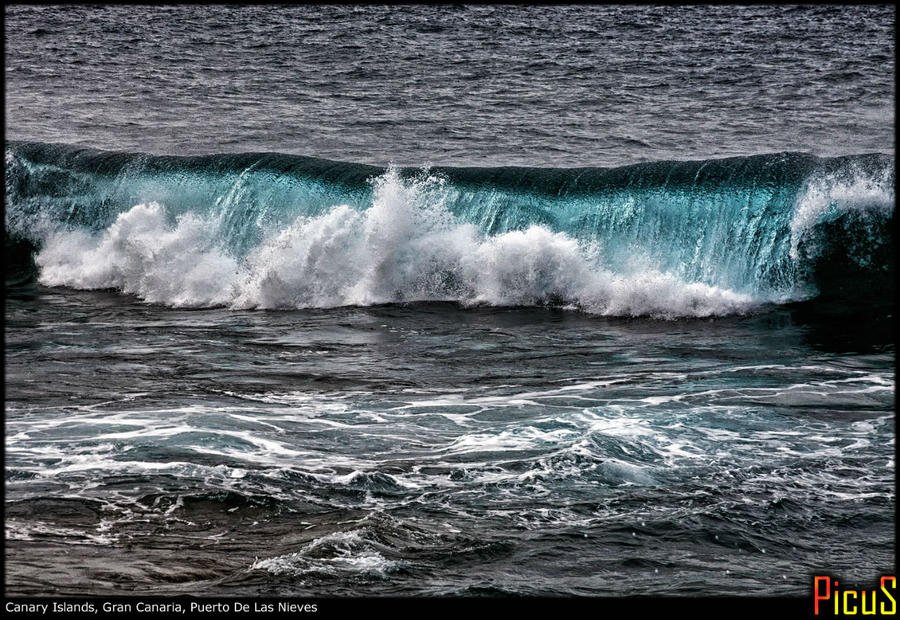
(662, 239)
(404, 248)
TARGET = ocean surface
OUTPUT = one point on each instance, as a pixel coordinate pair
(448, 300)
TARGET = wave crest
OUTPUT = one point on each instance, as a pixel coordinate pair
(406, 247)
(661, 239)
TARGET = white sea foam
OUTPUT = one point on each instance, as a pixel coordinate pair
(860, 190)
(406, 247)
(141, 253)
(339, 552)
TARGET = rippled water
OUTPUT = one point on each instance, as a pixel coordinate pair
(437, 447)
(434, 449)
(454, 85)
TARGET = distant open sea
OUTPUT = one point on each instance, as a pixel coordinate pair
(448, 300)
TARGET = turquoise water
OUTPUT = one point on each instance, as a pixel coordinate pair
(363, 301)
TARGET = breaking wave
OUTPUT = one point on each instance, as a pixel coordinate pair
(662, 239)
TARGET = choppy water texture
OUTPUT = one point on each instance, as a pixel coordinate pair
(630, 333)
(455, 85)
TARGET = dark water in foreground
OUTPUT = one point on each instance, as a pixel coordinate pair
(427, 449)
(629, 335)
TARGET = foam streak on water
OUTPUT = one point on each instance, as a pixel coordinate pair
(428, 300)
(354, 457)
